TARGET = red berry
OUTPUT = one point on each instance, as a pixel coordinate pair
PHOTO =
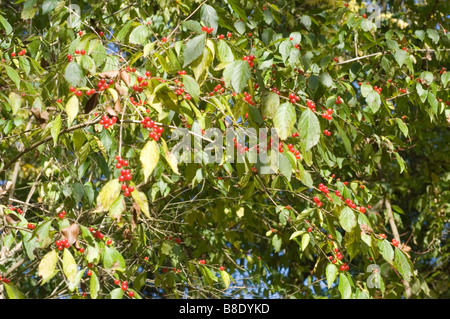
(131, 294)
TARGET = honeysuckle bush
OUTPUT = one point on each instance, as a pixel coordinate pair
(96, 204)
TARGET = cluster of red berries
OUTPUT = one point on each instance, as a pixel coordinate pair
(103, 85)
(207, 30)
(182, 72)
(108, 122)
(128, 69)
(156, 132)
(338, 100)
(344, 267)
(249, 59)
(294, 98)
(297, 134)
(317, 201)
(64, 243)
(21, 52)
(217, 89)
(377, 89)
(324, 189)
(90, 92)
(6, 281)
(248, 98)
(31, 226)
(125, 175)
(62, 214)
(74, 90)
(176, 240)
(326, 132)
(311, 105)
(350, 203)
(240, 147)
(202, 262)
(328, 115)
(254, 169)
(402, 90)
(442, 70)
(141, 81)
(11, 207)
(96, 233)
(275, 90)
(292, 150)
(82, 52)
(280, 147)
(395, 242)
(136, 103)
(338, 194)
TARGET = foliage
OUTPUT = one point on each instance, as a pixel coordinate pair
(364, 184)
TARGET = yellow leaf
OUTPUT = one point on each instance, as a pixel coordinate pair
(69, 266)
(47, 266)
(72, 108)
(149, 158)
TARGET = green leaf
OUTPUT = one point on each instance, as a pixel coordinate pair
(402, 264)
(209, 15)
(284, 120)
(237, 73)
(305, 241)
(296, 234)
(92, 255)
(306, 21)
(88, 64)
(13, 75)
(141, 199)
(284, 166)
(55, 129)
(74, 285)
(139, 35)
(373, 101)
(74, 74)
(421, 92)
(366, 89)
(309, 129)
(433, 35)
(69, 266)
(108, 194)
(6, 26)
(124, 31)
(191, 86)
(225, 53)
(400, 56)
(149, 158)
(331, 272)
(386, 250)
(116, 293)
(344, 287)
(48, 6)
(170, 158)
(15, 100)
(402, 126)
(194, 48)
(347, 219)
(94, 285)
(271, 102)
(117, 208)
(225, 278)
(12, 291)
(47, 266)
(112, 259)
(445, 78)
(326, 79)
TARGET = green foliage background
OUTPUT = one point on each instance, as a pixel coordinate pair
(388, 151)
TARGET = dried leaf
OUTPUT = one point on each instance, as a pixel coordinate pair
(111, 111)
(12, 219)
(71, 234)
(91, 103)
(109, 74)
(135, 213)
(120, 89)
(125, 77)
(41, 115)
(118, 106)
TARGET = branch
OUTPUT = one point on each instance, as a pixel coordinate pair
(33, 146)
